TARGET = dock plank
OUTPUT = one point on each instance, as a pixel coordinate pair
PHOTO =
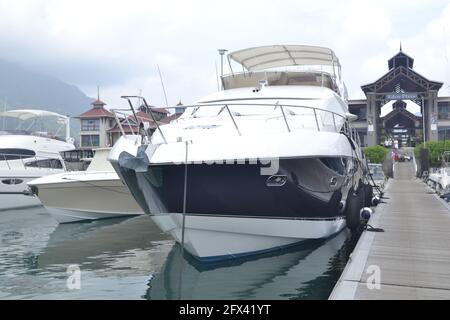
(413, 254)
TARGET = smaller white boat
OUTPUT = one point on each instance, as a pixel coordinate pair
(27, 154)
(378, 176)
(440, 179)
(96, 193)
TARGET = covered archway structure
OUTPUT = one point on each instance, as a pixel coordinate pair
(401, 82)
(401, 125)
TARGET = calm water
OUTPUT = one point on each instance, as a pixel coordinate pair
(132, 259)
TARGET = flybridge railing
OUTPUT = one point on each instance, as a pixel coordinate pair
(337, 122)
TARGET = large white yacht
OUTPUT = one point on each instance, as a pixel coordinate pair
(267, 162)
(96, 193)
(26, 154)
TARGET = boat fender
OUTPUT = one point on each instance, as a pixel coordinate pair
(376, 200)
(368, 194)
(341, 207)
(353, 207)
(366, 213)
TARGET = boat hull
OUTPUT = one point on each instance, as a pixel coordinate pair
(73, 201)
(64, 215)
(14, 192)
(214, 238)
(234, 210)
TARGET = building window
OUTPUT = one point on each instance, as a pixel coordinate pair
(444, 133)
(362, 133)
(443, 110)
(90, 125)
(90, 141)
(360, 111)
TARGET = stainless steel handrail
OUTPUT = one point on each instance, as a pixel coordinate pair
(277, 104)
(317, 122)
(261, 104)
(224, 104)
(232, 119)
(121, 115)
(148, 108)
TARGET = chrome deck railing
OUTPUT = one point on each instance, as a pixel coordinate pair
(343, 125)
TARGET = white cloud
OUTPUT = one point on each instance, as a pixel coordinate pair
(118, 44)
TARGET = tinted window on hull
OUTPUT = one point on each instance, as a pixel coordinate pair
(12, 181)
(14, 154)
(46, 163)
(335, 164)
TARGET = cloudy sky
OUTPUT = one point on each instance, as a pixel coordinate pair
(118, 44)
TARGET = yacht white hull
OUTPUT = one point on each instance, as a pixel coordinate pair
(12, 195)
(63, 215)
(233, 210)
(22, 159)
(213, 238)
(255, 169)
(73, 197)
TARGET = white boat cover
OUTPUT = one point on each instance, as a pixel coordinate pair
(25, 114)
(265, 57)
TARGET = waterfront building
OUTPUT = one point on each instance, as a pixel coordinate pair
(402, 84)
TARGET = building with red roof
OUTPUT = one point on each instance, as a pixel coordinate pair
(95, 123)
(99, 128)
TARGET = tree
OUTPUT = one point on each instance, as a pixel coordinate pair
(375, 154)
(436, 149)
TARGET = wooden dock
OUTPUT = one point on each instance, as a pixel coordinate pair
(413, 252)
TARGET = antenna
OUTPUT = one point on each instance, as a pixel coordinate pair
(67, 129)
(221, 52)
(4, 110)
(217, 78)
(162, 84)
(98, 92)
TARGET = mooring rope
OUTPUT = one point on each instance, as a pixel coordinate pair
(183, 225)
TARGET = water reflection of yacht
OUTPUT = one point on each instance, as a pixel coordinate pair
(108, 247)
(283, 275)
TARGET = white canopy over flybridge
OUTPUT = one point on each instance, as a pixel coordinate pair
(265, 57)
(25, 114)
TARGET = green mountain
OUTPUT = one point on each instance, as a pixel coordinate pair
(26, 89)
(23, 88)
